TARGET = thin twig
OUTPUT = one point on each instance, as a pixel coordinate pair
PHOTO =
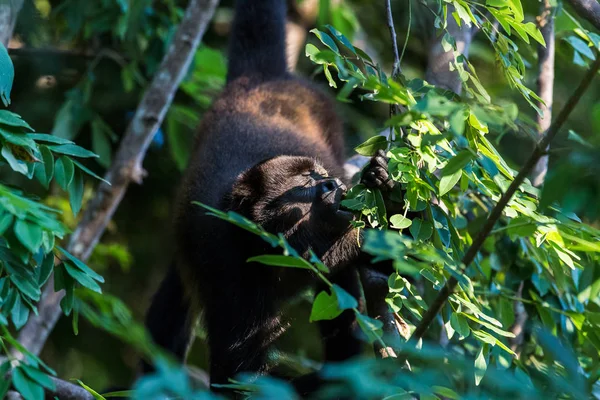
(588, 10)
(127, 166)
(397, 69)
(496, 213)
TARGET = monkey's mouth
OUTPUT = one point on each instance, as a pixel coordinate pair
(344, 214)
(337, 205)
(332, 192)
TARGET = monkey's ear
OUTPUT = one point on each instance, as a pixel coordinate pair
(243, 185)
(245, 191)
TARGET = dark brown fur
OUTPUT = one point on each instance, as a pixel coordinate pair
(270, 149)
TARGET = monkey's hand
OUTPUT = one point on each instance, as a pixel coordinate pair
(376, 175)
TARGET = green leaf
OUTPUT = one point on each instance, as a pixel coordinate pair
(339, 36)
(457, 163)
(459, 324)
(372, 145)
(372, 328)
(399, 221)
(535, 33)
(345, 300)
(38, 376)
(76, 192)
(7, 75)
(29, 234)
(64, 172)
(481, 364)
(27, 387)
(326, 40)
(81, 265)
(280, 261)
(6, 220)
(581, 47)
(68, 301)
(325, 307)
(329, 77)
(16, 165)
(45, 171)
(44, 137)
(72, 150)
(46, 268)
(521, 227)
(11, 135)
(19, 313)
(89, 172)
(420, 229)
(449, 181)
(4, 383)
(83, 279)
(25, 285)
(12, 119)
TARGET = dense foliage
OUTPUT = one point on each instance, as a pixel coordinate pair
(537, 271)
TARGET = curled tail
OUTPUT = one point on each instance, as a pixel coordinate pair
(258, 40)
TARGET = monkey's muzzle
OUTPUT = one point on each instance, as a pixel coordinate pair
(331, 192)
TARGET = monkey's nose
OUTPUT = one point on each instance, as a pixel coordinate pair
(331, 185)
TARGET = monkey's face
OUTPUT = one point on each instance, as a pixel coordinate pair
(286, 194)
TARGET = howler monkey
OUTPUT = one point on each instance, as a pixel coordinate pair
(271, 149)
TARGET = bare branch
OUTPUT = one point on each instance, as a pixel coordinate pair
(438, 65)
(588, 10)
(397, 69)
(518, 327)
(68, 391)
(545, 83)
(127, 166)
(9, 11)
(496, 213)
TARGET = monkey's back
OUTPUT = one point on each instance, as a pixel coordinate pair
(249, 123)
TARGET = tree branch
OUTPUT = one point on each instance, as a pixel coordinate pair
(545, 91)
(397, 69)
(438, 70)
(496, 213)
(67, 391)
(545, 83)
(588, 10)
(127, 166)
(62, 389)
(9, 11)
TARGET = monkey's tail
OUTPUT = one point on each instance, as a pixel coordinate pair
(257, 45)
(170, 320)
